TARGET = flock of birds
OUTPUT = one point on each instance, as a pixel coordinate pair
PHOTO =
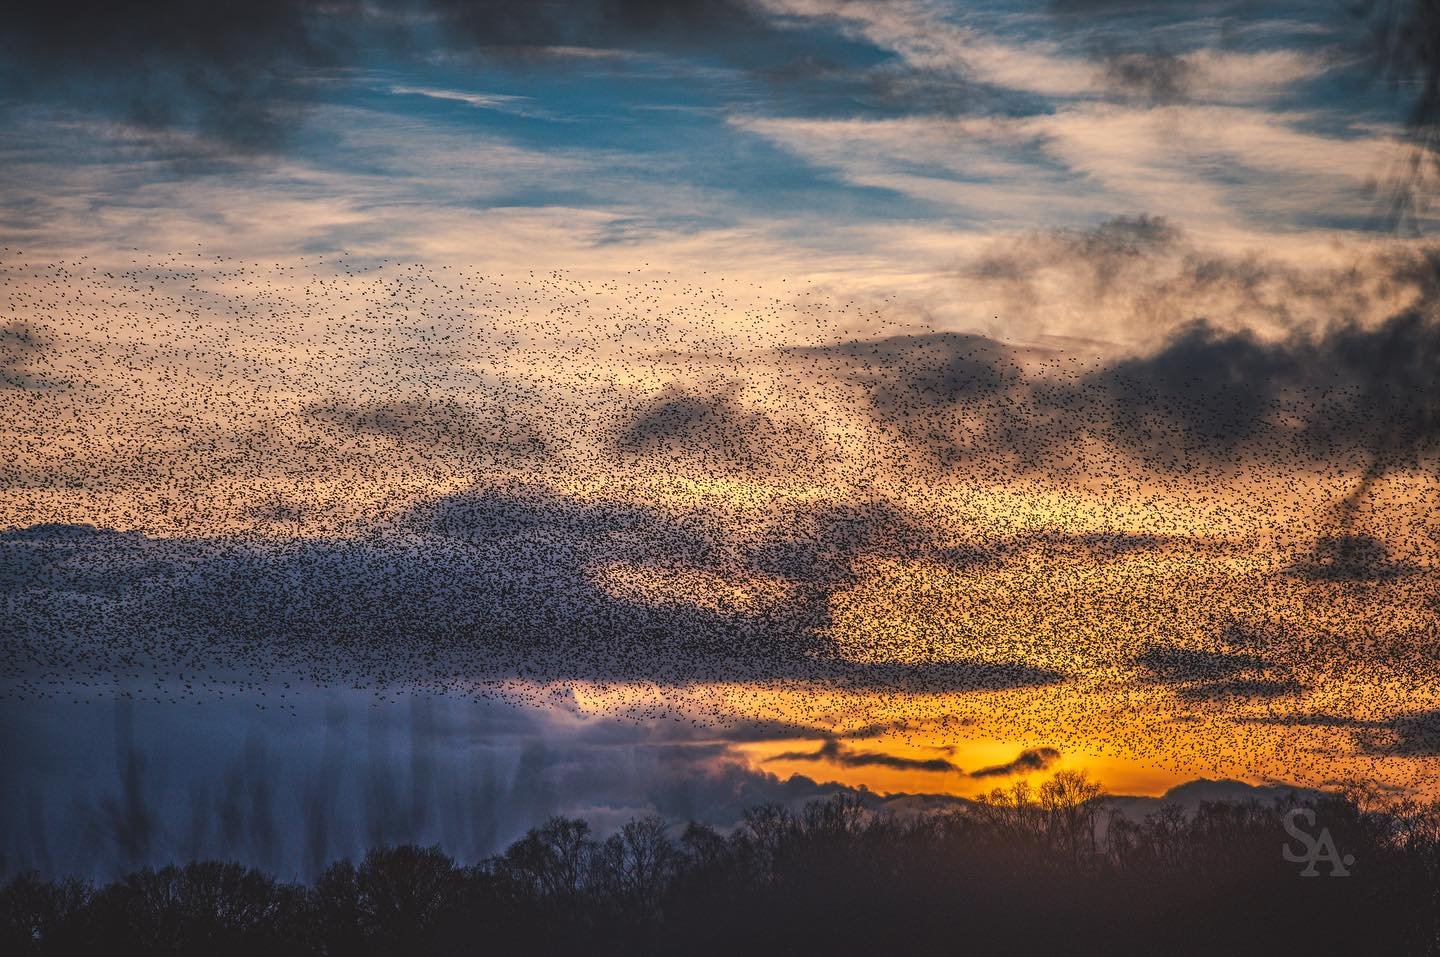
(731, 502)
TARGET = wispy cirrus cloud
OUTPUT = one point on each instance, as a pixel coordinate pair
(503, 102)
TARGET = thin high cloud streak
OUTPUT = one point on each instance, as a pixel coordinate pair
(1214, 166)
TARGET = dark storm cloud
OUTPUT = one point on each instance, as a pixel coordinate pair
(1031, 759)
(1203, 393)
(513, 595)
(1208, 393)
(226, 68)
(802, 62)
(598, 23)
(1390, 398)
(1360, 391)
(833, 752)
(241, 73)
(510, 601)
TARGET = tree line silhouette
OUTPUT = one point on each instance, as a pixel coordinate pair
(1022, 870)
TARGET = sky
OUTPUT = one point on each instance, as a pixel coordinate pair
(783, 394)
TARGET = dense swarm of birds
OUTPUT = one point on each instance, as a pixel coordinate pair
(224, 477)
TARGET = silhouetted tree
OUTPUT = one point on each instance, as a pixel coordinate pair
(1024, 869)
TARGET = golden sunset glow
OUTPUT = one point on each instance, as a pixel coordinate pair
(719, 477)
